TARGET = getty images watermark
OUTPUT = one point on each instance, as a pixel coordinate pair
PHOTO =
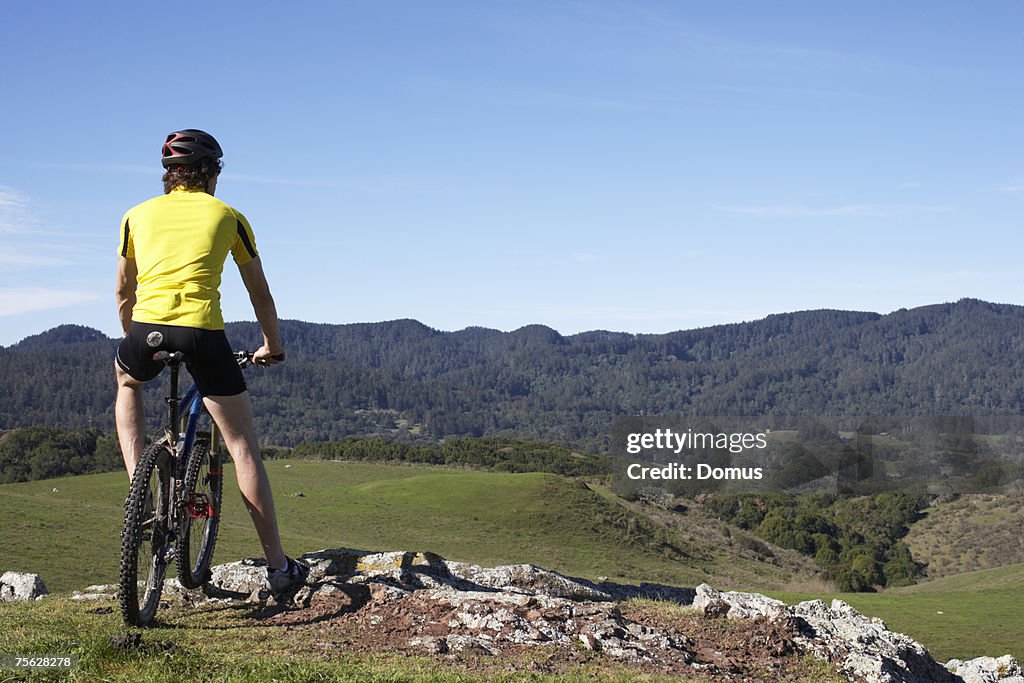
(667, 440)
(812, 454)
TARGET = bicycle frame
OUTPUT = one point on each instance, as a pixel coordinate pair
(186, 425)
(176, 425)
(194, 409)
(181, 431)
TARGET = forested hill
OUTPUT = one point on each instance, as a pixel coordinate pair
(405, 380)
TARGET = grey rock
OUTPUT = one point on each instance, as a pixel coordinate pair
(735, 605)
(1003, 669)
(529, 579)
(437, 646)
(427, 570)
(468, 645)
(862, 647)
(238, 580)
(333, 562)
(96, 592)
(18, 587)
(590, 642)
(398, 567)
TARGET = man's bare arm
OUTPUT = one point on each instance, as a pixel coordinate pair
(255, 282)
(124, 290)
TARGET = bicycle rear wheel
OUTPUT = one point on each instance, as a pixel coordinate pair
(145, 540)
(200, 514)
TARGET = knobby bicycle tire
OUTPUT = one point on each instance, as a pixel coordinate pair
(198, 536)
(144, 538)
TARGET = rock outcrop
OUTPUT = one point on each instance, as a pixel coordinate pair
(860, 647)
(422, 603)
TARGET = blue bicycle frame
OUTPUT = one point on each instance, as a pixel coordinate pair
(194, 408)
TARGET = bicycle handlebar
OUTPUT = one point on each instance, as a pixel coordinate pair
(245, 358)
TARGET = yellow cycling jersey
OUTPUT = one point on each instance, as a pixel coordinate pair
(179, 242)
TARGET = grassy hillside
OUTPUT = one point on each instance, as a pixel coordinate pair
(67, 530)
(71, 537)
(965, 616)
(974, 532)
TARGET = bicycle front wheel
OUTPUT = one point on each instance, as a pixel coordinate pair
(145, 539)
(200, 513)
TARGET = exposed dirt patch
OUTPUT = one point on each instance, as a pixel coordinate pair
(669, 640)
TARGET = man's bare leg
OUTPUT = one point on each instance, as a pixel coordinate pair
(131, 423)
(233, 415)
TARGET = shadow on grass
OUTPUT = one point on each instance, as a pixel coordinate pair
(348, 599)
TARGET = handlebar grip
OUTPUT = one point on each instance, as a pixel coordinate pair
(245, 358)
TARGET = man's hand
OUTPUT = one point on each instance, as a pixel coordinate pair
(267, 356)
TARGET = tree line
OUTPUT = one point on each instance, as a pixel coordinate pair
(403, 381)
(496, 454)
(33, 453)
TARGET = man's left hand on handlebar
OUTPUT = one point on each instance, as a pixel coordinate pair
(267, 357)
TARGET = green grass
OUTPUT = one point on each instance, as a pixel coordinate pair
(71, 537)
(959, 617)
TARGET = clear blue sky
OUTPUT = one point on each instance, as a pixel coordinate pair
(638, 166)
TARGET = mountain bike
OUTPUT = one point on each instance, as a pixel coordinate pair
(173, 508)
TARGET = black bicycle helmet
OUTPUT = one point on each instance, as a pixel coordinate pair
(189, 146)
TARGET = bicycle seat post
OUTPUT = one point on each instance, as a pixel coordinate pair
(173, 403)
(173, 361)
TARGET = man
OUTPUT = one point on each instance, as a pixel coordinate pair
(172, 253)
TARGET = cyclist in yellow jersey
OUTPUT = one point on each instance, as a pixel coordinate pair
(179, 265)
(170, 260)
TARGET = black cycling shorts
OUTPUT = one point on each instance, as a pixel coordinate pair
(211, 362)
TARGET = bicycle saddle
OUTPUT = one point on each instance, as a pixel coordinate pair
(170, 358)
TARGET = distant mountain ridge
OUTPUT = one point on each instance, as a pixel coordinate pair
(402, 379)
